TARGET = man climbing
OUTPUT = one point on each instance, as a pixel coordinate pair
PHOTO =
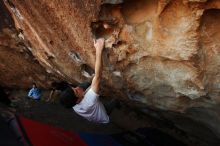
(86, 102)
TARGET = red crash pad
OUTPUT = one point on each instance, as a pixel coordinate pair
(40, 134)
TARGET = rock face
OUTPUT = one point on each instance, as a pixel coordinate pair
(18, 67)
(163, 53)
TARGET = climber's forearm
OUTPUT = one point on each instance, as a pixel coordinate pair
(98, 65)
(99, 45)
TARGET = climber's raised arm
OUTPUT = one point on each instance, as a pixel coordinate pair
(99, 45)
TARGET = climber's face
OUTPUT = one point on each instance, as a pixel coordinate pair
(34, 86)
(79, 92)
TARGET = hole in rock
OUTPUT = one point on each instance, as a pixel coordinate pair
(87, 71)
(136, 95)
(109, 21)
(127, 21)
(103, 29)
(75, 57)
(51, 42)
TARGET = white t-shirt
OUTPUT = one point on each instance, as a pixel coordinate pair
(91, 108)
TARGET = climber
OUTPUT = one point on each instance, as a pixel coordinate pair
(86, 102)
(34, 93)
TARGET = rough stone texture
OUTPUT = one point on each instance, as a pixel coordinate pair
(18, 67)
(59, 34)
(163, 53)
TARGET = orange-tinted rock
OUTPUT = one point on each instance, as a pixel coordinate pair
(18, 67)
(164, 53)
(152, 44)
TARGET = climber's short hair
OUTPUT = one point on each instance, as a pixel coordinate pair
(68, 98)
(34, 84)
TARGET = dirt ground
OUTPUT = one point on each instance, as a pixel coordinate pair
(123, 120)
(53, 113)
